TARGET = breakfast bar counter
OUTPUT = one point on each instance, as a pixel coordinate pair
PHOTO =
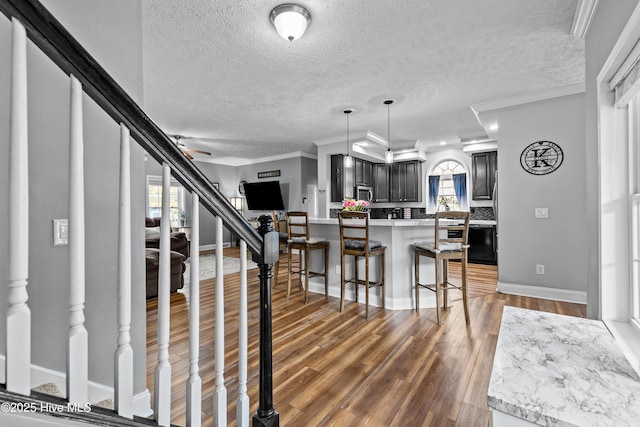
(398, 235)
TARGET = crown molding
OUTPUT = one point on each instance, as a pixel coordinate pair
(236, 161)
(354, 138)
(525, 98)
(583, 16)
(480, 146)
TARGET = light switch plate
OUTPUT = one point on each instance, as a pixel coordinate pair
(60, 232)
(542, 213)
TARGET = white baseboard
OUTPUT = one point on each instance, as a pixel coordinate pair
(316, 286)
(96, 392)
(142, 404)
(578, 297)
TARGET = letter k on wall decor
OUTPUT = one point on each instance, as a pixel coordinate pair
(541, 157)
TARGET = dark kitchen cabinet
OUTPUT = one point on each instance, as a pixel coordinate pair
(405, 180)
(484, 166)
(380, 182)
(364, 172)
(483, 244)
(342, 179)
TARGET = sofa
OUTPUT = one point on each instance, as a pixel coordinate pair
(177, 268)
(179, 242)
(179, 251)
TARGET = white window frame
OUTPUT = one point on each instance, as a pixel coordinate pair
(157, 181)
(618, 125)
(634, 210)
(449, 177)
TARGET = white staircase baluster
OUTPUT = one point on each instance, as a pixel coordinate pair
(18, 344)
(194, 384)
(162, 383)
(220, 393)
(123, 358)
(77, 337)
(242, 403)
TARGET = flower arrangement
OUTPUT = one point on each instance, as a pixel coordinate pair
(444, 201)
(355, 205)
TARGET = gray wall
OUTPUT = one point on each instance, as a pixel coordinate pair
(290, 180)
(225, 176)
(308, 176)
(559, 242)
(606, 26)
(118, 49)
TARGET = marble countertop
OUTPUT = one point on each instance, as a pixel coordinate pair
(558, 370)
(483, 222)
(380, 222)
(397, 222)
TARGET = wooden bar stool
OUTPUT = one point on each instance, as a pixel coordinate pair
(298, 233)
(354, 241)
(452, 247)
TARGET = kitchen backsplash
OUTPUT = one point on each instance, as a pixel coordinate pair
(478, 213)
(485, 214)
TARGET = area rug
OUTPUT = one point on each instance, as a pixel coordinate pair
(208, 267)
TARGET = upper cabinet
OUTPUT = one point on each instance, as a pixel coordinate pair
(484, 166)
(398, 182)
(342, 179)
(364, 172)
(380, 182)
(405, 178)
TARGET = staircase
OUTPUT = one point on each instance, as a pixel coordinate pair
(32, 25)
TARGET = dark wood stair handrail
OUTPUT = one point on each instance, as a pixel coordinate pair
(63, 49)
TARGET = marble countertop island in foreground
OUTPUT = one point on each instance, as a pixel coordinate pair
(557, 370)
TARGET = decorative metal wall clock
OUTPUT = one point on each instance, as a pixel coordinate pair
(541, 158)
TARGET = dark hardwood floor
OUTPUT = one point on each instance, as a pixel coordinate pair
(330, 368)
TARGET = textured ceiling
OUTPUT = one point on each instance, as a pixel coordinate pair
(217, 71)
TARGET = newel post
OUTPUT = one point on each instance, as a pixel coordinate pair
(266, 415)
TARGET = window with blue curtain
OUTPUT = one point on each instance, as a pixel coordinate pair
(448, 187)
(434, 185)
(460, 187)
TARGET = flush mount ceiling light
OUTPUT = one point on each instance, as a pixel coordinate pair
(290, 20)
(348, 161)
(388, 156)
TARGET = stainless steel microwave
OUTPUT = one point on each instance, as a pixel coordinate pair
(364, 192)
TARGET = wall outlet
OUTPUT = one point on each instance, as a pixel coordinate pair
(542, 213)
(540, 269)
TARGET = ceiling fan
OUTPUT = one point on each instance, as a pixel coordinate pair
(186, 150)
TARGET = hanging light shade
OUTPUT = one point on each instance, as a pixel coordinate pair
(290, 20)
(348, 161)
(388, 156)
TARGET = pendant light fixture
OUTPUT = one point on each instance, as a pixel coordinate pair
(290, 20)
(348, 161)
(388, 156)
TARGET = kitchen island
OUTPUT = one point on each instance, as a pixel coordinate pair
(398, 235)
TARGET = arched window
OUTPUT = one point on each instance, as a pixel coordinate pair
(446, 197)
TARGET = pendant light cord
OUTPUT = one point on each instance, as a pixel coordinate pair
(389, 126)
(348, 155)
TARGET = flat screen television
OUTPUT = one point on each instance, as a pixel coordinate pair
(264, 196)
